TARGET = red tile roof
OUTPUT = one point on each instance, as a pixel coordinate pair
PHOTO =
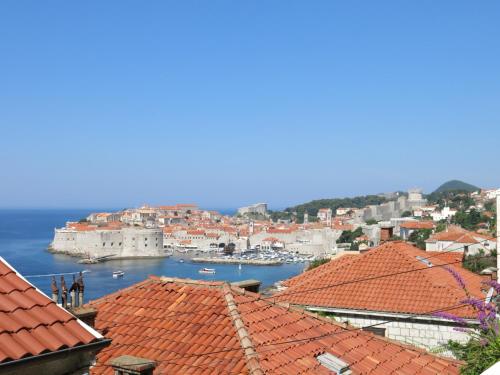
(31, 323)
(459, 235)
(417, 225)
(195, 327)
(361, 283)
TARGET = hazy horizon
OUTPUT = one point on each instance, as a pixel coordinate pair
(209, 207)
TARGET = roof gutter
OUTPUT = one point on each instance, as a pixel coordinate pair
(383, 314)
(91, 346)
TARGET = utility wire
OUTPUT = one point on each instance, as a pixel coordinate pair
(287, 342)
(272, 302)
(57, 274)
(273, 298)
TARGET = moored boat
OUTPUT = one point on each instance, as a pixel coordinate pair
(207, 271)
(117, 274)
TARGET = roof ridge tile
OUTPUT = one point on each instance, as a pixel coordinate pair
(243, 335)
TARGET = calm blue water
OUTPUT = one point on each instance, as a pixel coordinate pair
(26, 234)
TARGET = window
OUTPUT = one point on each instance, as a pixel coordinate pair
(376, 330)
(145, 245)
(112, 243)
(103, 244)
(119, 243)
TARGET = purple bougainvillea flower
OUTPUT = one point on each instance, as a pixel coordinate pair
(495, 285)
(458, 278)
(474, 302)
(445, 315)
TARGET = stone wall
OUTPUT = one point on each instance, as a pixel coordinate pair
(125, 242)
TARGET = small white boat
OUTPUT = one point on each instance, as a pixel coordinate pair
(210, 271)
(117, 274)
(181, 260)
(239, 266)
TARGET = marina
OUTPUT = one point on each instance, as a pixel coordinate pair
(255, 262)
(256, 258)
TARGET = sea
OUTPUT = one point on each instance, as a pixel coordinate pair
(25, 235)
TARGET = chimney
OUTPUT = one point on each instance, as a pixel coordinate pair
(73, 291)
(129, 365)
(64, 293)
(248, 285)
(55, 290)
(81, 287)
(86, 314)
(498, 235)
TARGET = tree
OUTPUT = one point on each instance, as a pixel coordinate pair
(406, 214)
(478, 262)
(349, 236)
(371, 221)
(356, 202)
(441, 226)
(419, 236)
(317, 262)
(229, 248)
(469, 220)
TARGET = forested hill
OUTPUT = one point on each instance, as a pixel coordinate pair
(355, 202)
(456, 185)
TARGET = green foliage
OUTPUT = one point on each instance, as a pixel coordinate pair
(279, 215)
(349, 236)
(454, 185)
(406, 214)
(478, 262)
(490, 205)
(469, 220)
(441, 226)
(82, 221)
(478, 353)
(316, 263)
(371, 221)
(356, 202)
(419, 236)
(457, 199)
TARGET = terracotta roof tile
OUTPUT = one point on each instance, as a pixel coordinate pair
(31, 323)
(417, 225)
(361, 283)
(205, 326)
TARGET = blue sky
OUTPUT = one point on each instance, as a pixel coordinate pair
(224, 103)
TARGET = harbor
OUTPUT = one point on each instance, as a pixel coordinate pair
(26, 235)
(254, 262)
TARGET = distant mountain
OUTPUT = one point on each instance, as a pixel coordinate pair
(456, 185)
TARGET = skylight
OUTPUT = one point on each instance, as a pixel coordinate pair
(334, 363)
(424, 261)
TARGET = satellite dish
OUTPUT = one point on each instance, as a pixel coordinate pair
(489, 295)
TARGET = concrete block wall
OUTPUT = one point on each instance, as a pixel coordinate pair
(426, 334)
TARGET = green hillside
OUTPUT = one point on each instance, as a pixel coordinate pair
(456, 185)
(355, 202)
